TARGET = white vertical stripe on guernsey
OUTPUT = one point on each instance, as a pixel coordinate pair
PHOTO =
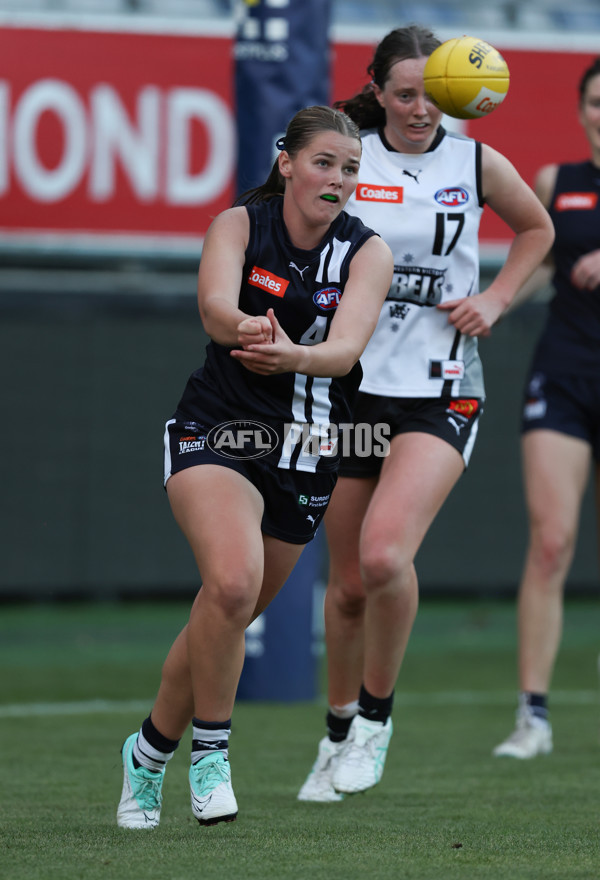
(470, 442)
(340, 249)
(320, 416)
(167, 464)
(324, 252)
(321, 408)
(298, 416)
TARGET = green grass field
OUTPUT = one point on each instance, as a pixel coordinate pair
(77, 679)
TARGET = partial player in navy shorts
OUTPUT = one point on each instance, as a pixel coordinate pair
(295, 501)
(454, 420)
(567, 404)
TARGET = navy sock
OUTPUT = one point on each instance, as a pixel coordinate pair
(374, 708)
(538, 703)
(152, 750)
(337, 728)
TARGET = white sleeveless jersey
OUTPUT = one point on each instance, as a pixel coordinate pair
(427, 207)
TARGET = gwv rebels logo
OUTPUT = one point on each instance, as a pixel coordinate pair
(465, 408)
(576, 201)
(375, 192)
(327, 298)
(268, 281)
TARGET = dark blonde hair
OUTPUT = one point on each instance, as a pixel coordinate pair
(302, 128)
(588, 74)
(400, 44)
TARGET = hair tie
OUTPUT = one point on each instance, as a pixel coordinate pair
(280, 144)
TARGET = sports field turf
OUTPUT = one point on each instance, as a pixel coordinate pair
(77, 679)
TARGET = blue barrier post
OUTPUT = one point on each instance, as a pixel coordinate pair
(282, 644)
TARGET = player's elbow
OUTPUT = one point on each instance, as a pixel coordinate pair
(547, 231)
(346, 362)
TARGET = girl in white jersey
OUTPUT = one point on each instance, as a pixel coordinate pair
(423, 190)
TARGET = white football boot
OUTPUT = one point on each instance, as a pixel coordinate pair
(318, 786)
(361, 761)
(532, 736)
(141, 798)
(213, 799)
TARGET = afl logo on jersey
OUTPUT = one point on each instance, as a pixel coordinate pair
(452, 197)
(327, 298)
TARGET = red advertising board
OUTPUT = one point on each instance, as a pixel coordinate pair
(114, 133)
(121, 133)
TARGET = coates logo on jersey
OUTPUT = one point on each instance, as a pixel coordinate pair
(374, 192)
(452, 197)
(576, 201)
(268, 281)
(327, 298)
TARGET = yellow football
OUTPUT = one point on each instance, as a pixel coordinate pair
(466, 78)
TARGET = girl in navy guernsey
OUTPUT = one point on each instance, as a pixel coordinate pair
(289, 290)
(561, 420)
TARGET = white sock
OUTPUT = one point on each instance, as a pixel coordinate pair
(209, 738)
(149, 757)
(348, 710)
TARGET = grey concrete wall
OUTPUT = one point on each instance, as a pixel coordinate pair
(88, 381)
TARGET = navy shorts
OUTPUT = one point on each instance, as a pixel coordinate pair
(454, 420)
(295, 501)
(567, 404)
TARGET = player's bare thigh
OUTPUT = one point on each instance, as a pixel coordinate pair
(416, 478)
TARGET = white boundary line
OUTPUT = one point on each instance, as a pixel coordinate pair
(85, 707)
(442, 698)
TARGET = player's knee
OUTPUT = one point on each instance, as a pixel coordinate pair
(234, 594)
(381, 564)
(345, 591)
(552, 549)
